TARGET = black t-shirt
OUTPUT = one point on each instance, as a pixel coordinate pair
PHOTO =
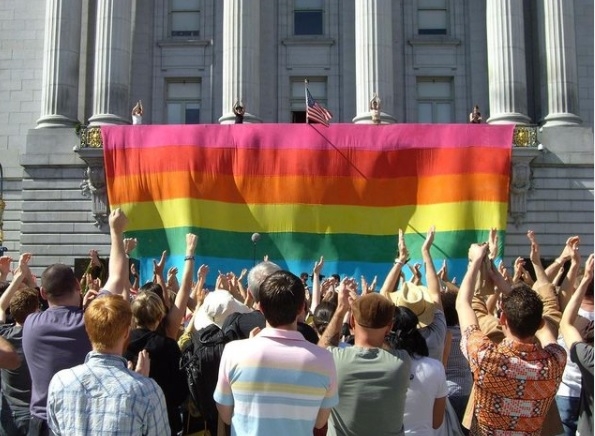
(16, 384)
(165, 369)
(244, 323)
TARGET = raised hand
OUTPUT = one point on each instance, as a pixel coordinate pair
(143, 363)
(94, 256)
(172, 279)
(158, 267)
(191, 242)
(203, 270)
(504, 271)
(222, 282)
(5, 262)
(429, 239)
(118, 220)
(347, 290)
(129, 245)
(403, 254)
(534, 254)
(493, 243)
(368, 288)
(477, 251)
(443, 272)
(416, 271)
(318, 266)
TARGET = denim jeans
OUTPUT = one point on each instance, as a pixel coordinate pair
(568, 409)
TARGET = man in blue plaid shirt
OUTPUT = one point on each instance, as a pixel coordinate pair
(104, 396)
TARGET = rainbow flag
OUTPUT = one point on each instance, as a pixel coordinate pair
(342, 192)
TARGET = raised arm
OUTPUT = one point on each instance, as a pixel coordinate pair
(569, 331)
(316, 291)
(5, 262)
(177, 311)
(395, 272)
(535, 256)
(467, 316)
(566, 255)
(568, 284)
(333, 330)
(432, 280)
(17, 279)
(198, 288)
(118, 281)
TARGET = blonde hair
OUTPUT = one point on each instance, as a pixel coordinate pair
(147, 309)
(107, 319)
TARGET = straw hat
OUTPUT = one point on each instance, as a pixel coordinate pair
(417, 299)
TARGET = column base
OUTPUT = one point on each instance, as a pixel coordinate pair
(230, 118)
(107, 119)
(509, 118)
(562, 119)
(366, 118)
(55, 121)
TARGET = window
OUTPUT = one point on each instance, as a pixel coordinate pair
(307, 17)
(183, 102)
(317, 88)
(434, 100)
(432, 17)
(184, 18)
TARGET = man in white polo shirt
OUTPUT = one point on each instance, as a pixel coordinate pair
(277, 382)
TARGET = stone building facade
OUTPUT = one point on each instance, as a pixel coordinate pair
(70, 62)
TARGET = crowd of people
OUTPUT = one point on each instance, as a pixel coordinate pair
(509, 351)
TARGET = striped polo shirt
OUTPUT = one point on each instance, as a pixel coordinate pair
(276, 382)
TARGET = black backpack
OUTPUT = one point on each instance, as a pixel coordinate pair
(200, 360)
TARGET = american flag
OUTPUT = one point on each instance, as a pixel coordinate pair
(316, 112)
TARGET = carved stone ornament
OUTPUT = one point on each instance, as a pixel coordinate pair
(521, 182)
(93, 186)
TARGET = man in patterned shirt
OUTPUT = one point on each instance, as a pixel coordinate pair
(103, 396)
(516, 380)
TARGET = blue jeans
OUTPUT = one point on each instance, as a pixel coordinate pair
(568, 409)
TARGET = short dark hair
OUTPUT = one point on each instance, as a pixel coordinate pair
(523, 309)
(323, 315)
(449, 300)
(282, 297)
(58, 280)
(23, 303)
(405, 334)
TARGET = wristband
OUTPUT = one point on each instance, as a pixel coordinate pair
(399, 262)
(189, 258)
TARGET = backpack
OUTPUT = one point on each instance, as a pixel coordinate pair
(200, 360)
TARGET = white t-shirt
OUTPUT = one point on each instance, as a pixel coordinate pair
(427, 383)
(571, 378)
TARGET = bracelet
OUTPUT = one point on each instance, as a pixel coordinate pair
(189, 258)
(399, 262)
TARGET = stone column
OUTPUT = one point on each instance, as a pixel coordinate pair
(558, 56)
(506, 62)
(241, 59)
(59, 91)
(374, 59)
(113, 42)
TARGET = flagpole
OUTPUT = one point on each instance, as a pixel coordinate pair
(306, 95)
